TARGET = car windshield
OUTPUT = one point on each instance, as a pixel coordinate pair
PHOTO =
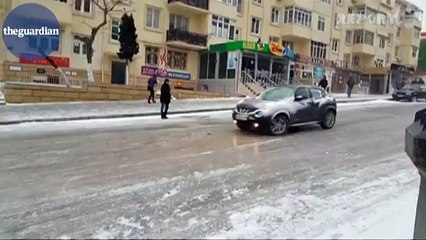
(410, 87)
(277, 94)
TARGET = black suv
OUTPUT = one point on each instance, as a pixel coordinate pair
(411, 92)
(279, 108)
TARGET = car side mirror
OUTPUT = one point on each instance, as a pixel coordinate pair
(299, 98)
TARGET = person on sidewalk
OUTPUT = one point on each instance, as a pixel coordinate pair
(351, 84)
(165, 98)
(323, 83)
(421, 81)
(152, 81)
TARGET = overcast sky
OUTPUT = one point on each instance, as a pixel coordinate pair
(421, 4)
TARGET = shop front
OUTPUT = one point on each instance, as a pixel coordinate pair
(310, 70)
(343, 73)
(222, 67)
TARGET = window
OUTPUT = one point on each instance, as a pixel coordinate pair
(321, 24)
(115, 29)
(369, 38)
(390, 38)
(346, 59)
(237, 34)
(348, 38)
(255, 26)
(414, 52)
(302, 91)
(230, 2)
(152, 18)
(177, 60)
(257, 1)
(318, 50)
(274, 39)
(358, 36)
(388, 59)
(398, 32)
(287, 43)
(326, 1)
(335, 46)
(382, 42)
(298, 16)
(339, 2)
(416, 33)
(79, 47)
(396, 51)
(379, 62)
(239, 6)
(179, 22)
(337, 22)
(277, 94)
(317, 93)
(275, 15)
(223, 27)
(388, 2)
(84, 6)
(151, 55)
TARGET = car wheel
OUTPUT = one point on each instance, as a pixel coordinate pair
(243, 126)
(278, 125)
(329, 119)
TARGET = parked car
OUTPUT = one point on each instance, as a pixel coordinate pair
(411, 92)
(279, 108)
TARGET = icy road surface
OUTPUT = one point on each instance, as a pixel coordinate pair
(198, 176)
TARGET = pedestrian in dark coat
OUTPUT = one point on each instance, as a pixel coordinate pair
(165, 98)
(152, 81)
(351, 84)
(323, 83)
(421, 81)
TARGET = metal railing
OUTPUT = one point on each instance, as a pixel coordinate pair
(50, 80)
(187, 37)
(203, 4)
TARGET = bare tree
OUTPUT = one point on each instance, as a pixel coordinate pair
(106, 7)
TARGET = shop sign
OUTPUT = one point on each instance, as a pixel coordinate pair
(250, 45)
(312, 60)
(28, 58)
(164, 73)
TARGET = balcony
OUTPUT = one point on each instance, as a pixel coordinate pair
(296, 32)
(61, 10)
(197, 7)
(364, 49)
(186, 40)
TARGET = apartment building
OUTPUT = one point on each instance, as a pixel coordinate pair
(421, 66)
(176, 35)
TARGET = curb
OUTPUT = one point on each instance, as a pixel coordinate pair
(132, 115)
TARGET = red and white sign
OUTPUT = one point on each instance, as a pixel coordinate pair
(30, 59)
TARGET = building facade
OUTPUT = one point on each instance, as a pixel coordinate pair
(332, 38)
(421, 66)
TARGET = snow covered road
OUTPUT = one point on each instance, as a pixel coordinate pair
(198, 176)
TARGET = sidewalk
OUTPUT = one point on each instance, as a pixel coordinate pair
(50, 112)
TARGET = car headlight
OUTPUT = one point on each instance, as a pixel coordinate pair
(259, 113)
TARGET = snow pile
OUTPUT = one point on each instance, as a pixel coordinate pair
(371, 203)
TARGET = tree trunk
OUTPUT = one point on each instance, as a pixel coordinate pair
(90, 77)
(127, 72)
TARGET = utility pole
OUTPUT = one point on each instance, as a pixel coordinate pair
(415, 147)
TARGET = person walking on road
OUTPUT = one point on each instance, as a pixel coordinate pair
(165, 98)
(351, 84)
(323, 83)
(152, 81)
